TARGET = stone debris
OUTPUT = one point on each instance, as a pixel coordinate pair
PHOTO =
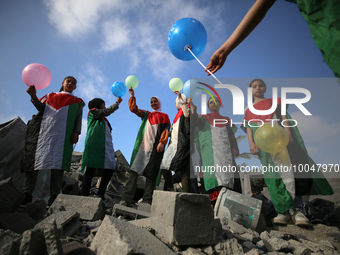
(182, 218)
(10, 196)
(118, 237)
(132, 213)
(175, 223)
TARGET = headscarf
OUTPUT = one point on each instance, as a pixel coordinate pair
(180, 101)
(160, 105)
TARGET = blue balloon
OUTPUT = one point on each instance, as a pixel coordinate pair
(191, 89)
(187, 32)
(118, 89)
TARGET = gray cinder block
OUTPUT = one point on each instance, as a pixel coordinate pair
(183, 218)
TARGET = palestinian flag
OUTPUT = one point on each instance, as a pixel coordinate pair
(215, 144)
(177, 155)
(284, 186)
(145, 159)
(323, 21)
(48, 138)
(98, 152)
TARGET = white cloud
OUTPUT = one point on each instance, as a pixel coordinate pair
(77, 17)
(116, 35)
(92, 83)
(137, 29)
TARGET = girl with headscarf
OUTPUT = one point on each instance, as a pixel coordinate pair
(148, 149)
(177, 155)
(218, 148)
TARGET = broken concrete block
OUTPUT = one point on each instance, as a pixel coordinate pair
(298, 248)
(318, 247)
(67, 222)
(52, 240)
(252, 237)
(12, 140)
(16, 222)
(76, 156)
(9, 242)
(70, 186)
(145, 207)
(183, 218)
(130, 212)
(89, 208)
(76, 248)
(192, 251)
(208, 250)
(10, 196)
(275, 244)
(121, 161)
(33, 242)
(36, 209)
(248, 246)
(141, 222)
(119, 237)
(93, 224)
(229, 246)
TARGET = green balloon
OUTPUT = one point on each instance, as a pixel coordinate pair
(176, 84)
(131, 81)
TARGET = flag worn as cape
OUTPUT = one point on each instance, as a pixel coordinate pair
(48, 138)
(177, 155)
(145, 159)
(216, 151)
(284, 186)
(99, 151)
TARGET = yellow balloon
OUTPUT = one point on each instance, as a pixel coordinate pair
(271, 138)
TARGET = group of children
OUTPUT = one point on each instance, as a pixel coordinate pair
(57, 125)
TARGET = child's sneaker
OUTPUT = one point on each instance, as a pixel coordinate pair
(282, 219)
(300, 219)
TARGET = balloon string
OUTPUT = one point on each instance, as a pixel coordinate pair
(188, 48)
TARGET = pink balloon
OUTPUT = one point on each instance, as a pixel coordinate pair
(37, 75)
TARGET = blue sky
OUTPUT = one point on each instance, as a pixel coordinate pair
(101, 42)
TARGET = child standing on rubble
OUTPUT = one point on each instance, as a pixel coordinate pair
(148, 150)
(98, 151)
(177, 156)
(285, 189)
(50, 137)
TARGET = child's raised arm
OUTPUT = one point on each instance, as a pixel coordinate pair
(133, 106)
(34, 99)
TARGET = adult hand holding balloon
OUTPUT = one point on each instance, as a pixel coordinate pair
(131, 81)
(37, 75)
(271, 138)
(118, 89)
(176, 84)
(187, 33)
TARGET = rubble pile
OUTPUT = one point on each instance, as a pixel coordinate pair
(175, 223)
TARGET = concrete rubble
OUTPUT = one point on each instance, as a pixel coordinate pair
(175, 223)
